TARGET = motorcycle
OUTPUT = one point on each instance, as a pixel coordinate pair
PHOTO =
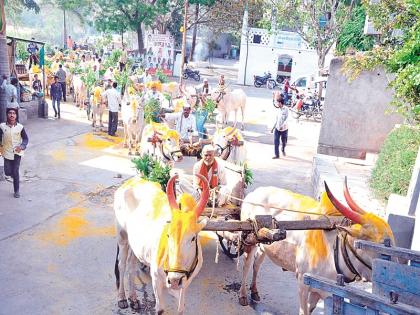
(261, 80)
(189, 73)
(309, 106)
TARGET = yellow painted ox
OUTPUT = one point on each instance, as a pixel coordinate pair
(98, 106)
(318, 252)
(230, 145)
(162, 142)
(132, 112)
(158, 231)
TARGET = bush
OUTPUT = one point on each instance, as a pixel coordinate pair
(392, 172)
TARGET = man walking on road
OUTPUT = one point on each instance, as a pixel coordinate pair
(114, 100)
(13, 141)
(61, 74)
(280, 128)
(56, 92)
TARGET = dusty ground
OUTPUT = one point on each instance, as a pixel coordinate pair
(57, 242)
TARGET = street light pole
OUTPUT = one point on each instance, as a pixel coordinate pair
(184, 40)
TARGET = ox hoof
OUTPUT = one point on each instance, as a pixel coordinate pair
(134, 304)
(243, 301)
(125, 145)
(159, 312)
(137, 153)
(129, 153)
(255, 296)
(122, 304)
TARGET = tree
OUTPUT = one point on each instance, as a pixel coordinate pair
(4, 59)
(318, 22)
(398, 50)
(77, 8)
(352, 36)
(113, 15)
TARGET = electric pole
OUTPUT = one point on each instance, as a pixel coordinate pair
(184, 40)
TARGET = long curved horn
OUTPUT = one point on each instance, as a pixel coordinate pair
(348, 213)
(170, 192)
(205, 194)
(350, 200)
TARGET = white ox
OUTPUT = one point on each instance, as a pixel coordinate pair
(162, 142)
(230, 145)
(80, 92)
(153, 229)
(98, 106)
(231, 101)
(311, 251)
(132, 112)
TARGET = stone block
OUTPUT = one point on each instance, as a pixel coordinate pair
(414, 187)
(23, 117)
(403, 227)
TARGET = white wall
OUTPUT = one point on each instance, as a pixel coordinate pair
(262, 59)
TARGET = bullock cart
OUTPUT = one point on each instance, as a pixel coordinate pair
(395, 284)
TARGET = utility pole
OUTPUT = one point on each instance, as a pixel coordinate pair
(184, 41)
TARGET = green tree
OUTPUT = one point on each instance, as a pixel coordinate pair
(352, 36)
(4, 59)
(318, 22)
(398, 49)
(115, 15)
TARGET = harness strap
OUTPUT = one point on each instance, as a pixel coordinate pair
(336, 262)
(187, 273)
(353, 251)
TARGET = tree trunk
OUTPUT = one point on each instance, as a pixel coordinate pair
(194, 36)
(140, 39)
(184, 40)
(321, 64)
(4, 61)
(65, 30)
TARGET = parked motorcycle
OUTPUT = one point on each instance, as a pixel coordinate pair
(261, 80)
(189, 73)
(309, 106)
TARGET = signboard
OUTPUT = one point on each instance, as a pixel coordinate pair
(289, 40)
(159, 53)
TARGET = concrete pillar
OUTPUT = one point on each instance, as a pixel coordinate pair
(414, 188)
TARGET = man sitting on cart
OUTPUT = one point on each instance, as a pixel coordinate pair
(214, 171)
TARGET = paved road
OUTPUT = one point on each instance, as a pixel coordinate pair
(57, 242)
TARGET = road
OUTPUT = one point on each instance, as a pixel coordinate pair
(58, 244)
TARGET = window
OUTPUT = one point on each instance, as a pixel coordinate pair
(301, 82)
(256, 39)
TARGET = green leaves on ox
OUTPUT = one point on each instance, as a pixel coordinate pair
(151, 169)
(151, 111)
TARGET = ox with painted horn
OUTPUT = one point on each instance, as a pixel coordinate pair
(319, 252)
(158, 231)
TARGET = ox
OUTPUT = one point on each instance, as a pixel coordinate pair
(80, 92)
(132, 113)
(98, 106)
(154, 230)
(162, 142)
(230, 145)
(319, 252)
(231, 101)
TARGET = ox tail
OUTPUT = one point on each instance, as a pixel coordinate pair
(116, 269)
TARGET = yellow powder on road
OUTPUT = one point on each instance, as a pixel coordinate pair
(73, 226)
(97, 142)
(58, 155)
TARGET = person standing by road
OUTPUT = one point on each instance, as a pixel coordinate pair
(61, 74)
(56, 92)
(280, 127)
(11, 92)
(123, 59)
(114, 100)
(32, 50)
(13, 142)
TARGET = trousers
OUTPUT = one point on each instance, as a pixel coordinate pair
(11, 168)
(56, 109)
(63, 89)
(277, 136)
(112, 123)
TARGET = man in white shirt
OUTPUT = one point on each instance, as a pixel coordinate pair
(280, 127)
(114, 100)
(184, 121)
(11, 92)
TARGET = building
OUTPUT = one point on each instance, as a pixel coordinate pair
(283, 54)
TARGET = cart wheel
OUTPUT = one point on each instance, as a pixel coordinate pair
(229, 248)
